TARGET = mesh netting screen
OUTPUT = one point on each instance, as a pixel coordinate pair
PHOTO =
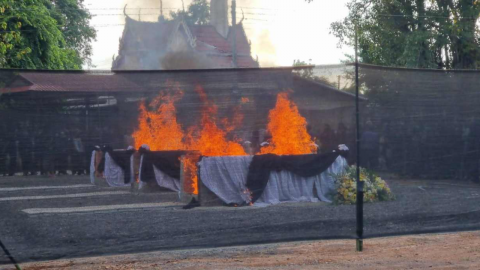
(420, 131)
(96, 163)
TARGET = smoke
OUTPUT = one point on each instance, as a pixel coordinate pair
(149, 10)
(110, 28)
(185, 60)
(263, 47)
(258, 32)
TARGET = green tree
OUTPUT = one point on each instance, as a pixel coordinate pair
(413, 33)
(73, 19)
(198, 13)
(44, 34)
(306, 70)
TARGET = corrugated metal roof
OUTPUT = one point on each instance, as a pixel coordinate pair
(71, 82)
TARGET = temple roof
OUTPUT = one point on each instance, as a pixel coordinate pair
(144, 44)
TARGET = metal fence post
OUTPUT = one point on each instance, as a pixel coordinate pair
(359, 202)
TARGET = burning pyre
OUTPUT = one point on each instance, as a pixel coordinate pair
(158, 127)
(288, 130)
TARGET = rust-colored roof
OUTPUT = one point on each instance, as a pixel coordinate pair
(69, 82)
(209, 35)
(220, 48)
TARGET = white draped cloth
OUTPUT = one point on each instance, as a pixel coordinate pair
(162, 179)
(142, 184)
(92, 168)
(165, 181)
(114, 173)
(227, 177)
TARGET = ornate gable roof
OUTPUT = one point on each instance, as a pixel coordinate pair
(143, 44)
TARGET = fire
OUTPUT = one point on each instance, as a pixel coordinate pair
(209, 138)
(159, 129)
(190, 171)
(288, 130)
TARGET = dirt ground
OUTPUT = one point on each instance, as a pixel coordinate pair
(435, 251)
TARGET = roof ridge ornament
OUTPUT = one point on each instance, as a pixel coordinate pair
(125, 11)
(243, 16)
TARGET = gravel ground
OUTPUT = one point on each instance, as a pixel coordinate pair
(440, 251)
(421, 206)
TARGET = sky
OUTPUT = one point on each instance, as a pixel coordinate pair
(280, 31)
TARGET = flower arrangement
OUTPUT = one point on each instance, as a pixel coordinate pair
(375, 188)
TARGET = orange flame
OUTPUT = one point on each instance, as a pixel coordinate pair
(159, 129)
(288, 129)
(190, 171)
(211, 140)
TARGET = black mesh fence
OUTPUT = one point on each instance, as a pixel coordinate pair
(420, 128)
(95, 163)
(419, 133)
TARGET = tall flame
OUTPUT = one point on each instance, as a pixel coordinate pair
(288, 130)
(159, 129)
(190, 172)
(210, 139)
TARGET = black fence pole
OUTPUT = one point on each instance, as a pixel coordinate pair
(359, 202)
(10, 257)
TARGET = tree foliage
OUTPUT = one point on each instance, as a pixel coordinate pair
(73, 19)
(198, 12)
(44, 34)
(307, 72)
(414, 33)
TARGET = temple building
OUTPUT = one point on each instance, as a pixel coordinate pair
(174, 44)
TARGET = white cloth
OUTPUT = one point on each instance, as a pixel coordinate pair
(114, 173)
(325, 184)
(285, 186)
(227, 177)
(343, 147)
(132, 169)
(92, 167)
(165, 181)
(141, 184)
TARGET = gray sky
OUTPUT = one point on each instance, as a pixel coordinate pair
(280, 30)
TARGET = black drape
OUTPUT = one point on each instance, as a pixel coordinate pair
(166, 161)
(301, 165)
(122, 159)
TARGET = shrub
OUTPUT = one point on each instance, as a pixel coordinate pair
(375, 188)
